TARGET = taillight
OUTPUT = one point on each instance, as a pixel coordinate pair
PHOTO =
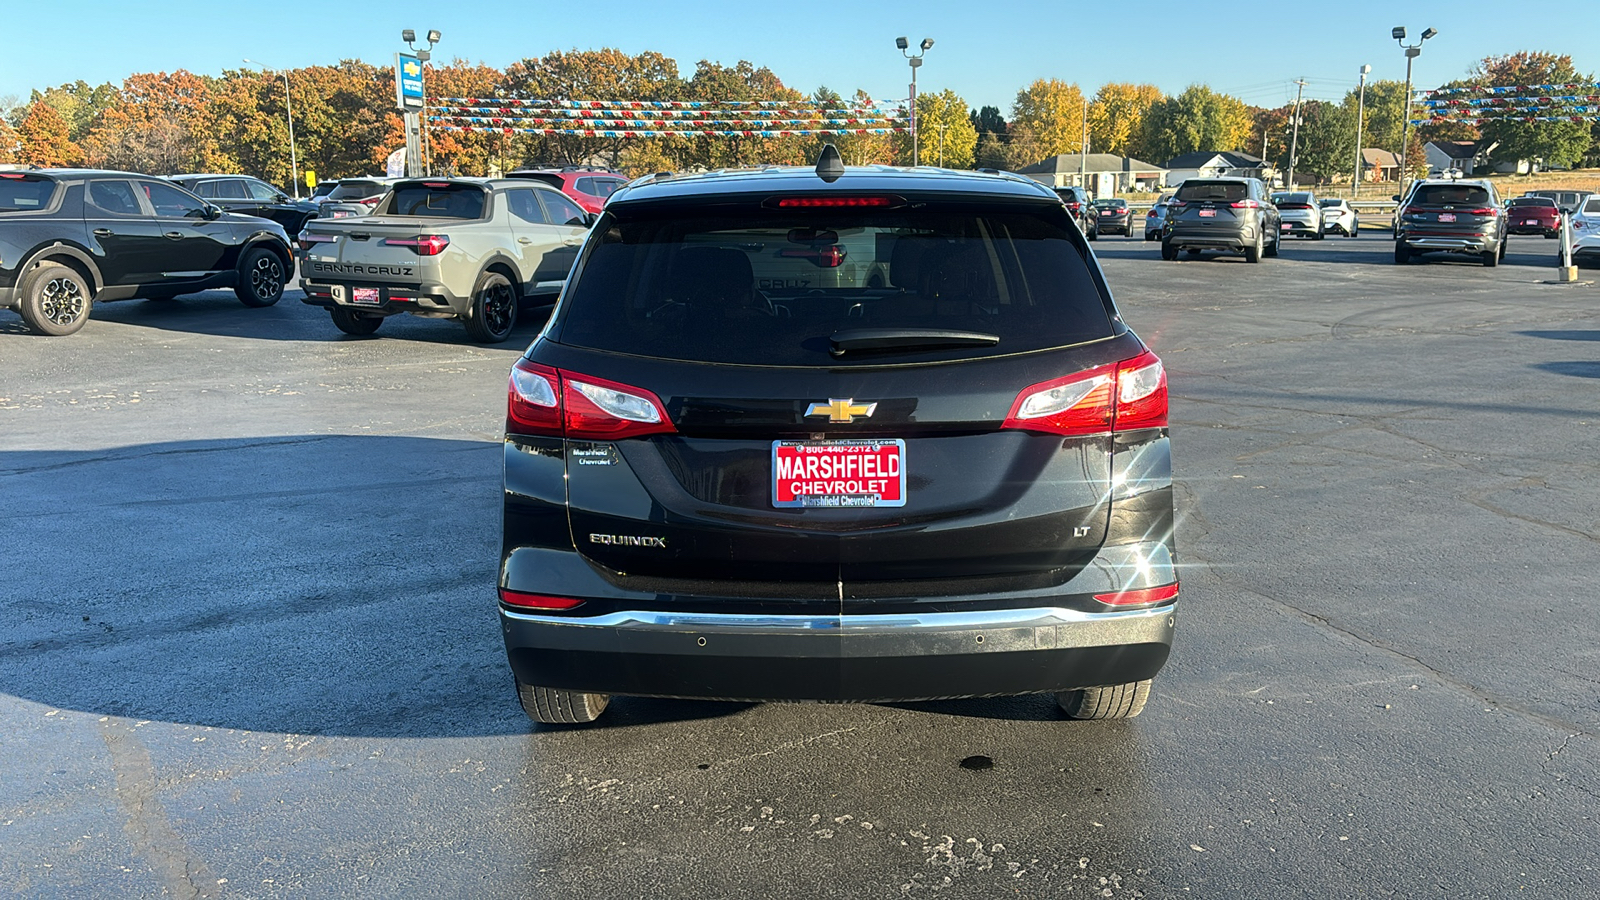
(523, 600)
(1177, 204)
(1486, 211)
(370, 201)
(555, 403)
(307, 238)
(1253, 204)
(834, 202)
(1117, 397)
(424, 244)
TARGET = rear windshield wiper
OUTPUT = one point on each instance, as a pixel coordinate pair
(857, 339)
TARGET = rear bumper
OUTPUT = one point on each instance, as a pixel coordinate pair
(425, 298)
(856, 658)
(1465, 243)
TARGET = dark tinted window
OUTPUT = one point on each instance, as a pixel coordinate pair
(115, 197)
(170, 201)
(561, 211)
(525, 207)
(1229, 191)
(587, 186)
(23, 193)
(605, 187)
(1327, 203)
(441, 200)
(260, 190)
(770, 288)
(1450, 195)
(1534, 201)
(357, 190)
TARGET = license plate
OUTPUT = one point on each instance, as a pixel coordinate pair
(365, 296)
(1447, 217)
(1285, 226)
(839, 473)
(1208, 213)
(1530, 222)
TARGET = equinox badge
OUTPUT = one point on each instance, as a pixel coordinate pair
(628, 540)
(842, 410)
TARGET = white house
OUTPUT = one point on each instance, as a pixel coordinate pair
(1105, 173)
(1213, 164)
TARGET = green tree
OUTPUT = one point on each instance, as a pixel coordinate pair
(1052, 112)
(1116, 117)
(605, 74)
(1197, 119)
(79, 104)
(988, 121)
(945, 135)
(1385, 110)
(1327, 144)
(44, 137)
(1557, 143)
(854, 149)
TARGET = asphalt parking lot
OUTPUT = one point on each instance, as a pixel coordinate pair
(248, 644)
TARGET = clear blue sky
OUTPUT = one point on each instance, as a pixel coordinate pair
(986, 52)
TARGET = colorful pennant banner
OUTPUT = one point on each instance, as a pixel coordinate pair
(860, 112)
(654, 104)
(1519, 89)
(639, 133)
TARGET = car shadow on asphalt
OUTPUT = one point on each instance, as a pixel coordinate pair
(307, 584)
(1025, 708)
(1565, 335)
(220, 313)
(1573, 368)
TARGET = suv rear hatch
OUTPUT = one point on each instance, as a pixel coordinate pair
(826, 401)
(1449, 210)
(1200, 205)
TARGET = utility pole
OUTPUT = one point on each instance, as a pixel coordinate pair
(1361, 118)
(1083, 148)
(1294, 141)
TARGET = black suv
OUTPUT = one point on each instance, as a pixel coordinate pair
(250, 197)
(1463, 217)
(1232, 214)
(836, 434)
(1081, 205)
(71, 237)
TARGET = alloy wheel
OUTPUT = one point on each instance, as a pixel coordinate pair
(497, 304)
(266, 277)
(62, 301)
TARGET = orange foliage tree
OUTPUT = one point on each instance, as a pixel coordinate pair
(44, 140)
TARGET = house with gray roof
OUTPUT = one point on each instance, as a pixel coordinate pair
(1106, 173)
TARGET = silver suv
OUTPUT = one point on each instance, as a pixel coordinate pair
(1230, 214)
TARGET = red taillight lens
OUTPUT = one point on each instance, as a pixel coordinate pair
(1140, 597)
(1117, 397)
(833, 202)
(1177, 204)
(553, 403)
(1254, 204)
(537, 601)
(424, 244)
(1486, 211)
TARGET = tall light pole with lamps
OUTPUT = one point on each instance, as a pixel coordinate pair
(416, 148)
(1361, 116)
(1412, 52)
(916, 63)
(294, 160)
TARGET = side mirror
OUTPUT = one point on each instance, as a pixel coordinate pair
(589, 219)
(1395, 198)
(213, 213)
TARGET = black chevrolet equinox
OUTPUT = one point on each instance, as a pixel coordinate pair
(830, 434)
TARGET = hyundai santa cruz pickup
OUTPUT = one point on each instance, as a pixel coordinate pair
(836, 434)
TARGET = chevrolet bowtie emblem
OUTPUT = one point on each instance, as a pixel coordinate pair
(842, 410)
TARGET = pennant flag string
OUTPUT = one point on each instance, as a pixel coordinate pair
(673, 124)
(641, 133)
(860, 112)
(1518, 89)
(658, 104)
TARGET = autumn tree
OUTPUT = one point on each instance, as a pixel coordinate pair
(44, 138)
(1557, 143)
(945, 136)
(1197, 119)
(10, 143)
(743, 81)
(854, 149)
(606, 74)
(1269, 132)
(160, 125)
(1116, 117)
(79, 104)
(1052, 113)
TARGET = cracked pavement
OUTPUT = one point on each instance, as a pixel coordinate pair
(248, 645)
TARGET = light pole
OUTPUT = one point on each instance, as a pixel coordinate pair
(916, 63)
(294, 160)
(1361, 115)
(1412, 52)
(417, 162)
(1294, 140)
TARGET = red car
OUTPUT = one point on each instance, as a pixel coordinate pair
(1534, 215)
(589, 186)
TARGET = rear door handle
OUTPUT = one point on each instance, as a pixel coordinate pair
(523, 240)
(572, 241)
(103, 232)
(174, 235)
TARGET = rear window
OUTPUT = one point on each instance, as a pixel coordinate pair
(439, 200)
(772, 287)
(1231, 191)
(357, 190)
(1111, 204)
(1450, 195)
(25, 193)
(1534, 201)
(1591, 206)
(1327, 203)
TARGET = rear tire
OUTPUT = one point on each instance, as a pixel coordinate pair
(1491, 258)
(1402, 254)
(1252, 254)
(1117, 701)
(557, 707)
(358, 324)
(1275, 246)
(494, 309)
(261, 278)
(1168, 252)
(54, 300)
